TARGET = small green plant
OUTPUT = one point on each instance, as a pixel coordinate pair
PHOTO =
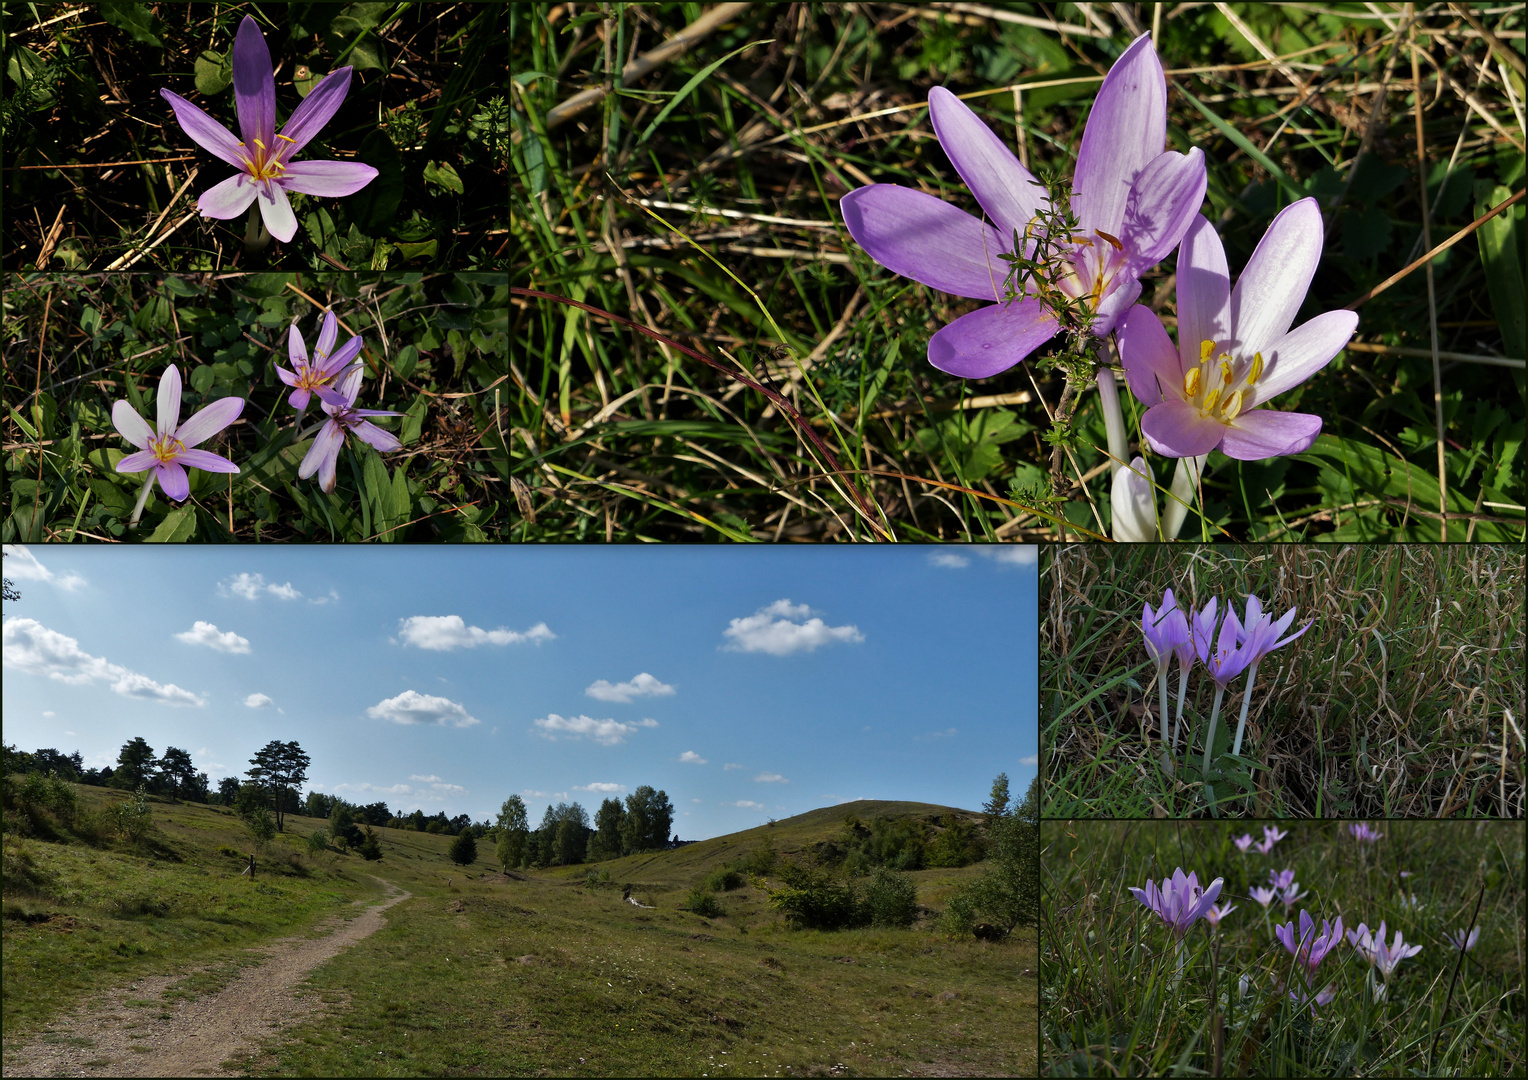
(371, 847)
(892, 899)
(261, 825)
(702, 903)
(724, 879)
(224, 849)
(318, 840)
(133, 817)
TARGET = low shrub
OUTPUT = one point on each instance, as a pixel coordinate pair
(892, 899)
(724, 879)
(224, 849)
(703, 903)
(813, 901)
(759, 861)
(318, 841)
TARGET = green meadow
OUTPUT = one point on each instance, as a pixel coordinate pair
(547, 971)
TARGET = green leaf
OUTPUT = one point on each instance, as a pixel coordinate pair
(90, 320)
(177, 526)
(443, 174)
(135, 19)
(375, 204)
(213, 73)
(882, 373)
(28, 71)
(1365, 233)
(1501, 248)
(201, 378)
(405, 362)
(413, 421)
(414, 251)
(684, 91)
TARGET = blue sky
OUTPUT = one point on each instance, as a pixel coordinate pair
(748, 683)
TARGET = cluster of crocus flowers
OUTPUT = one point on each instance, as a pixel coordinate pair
(344, 419)
(319, 374)
(1383, 958)
(1179, 902)
(1272, 834)
(1226, 646)
(263, 157)
(1308, 949)
(1362, 831)
(167, 450)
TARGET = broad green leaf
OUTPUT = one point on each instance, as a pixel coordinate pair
(413, 421)
(415, 251)
(213, 73)
(90, 320)
(201, 378)
(443, 174)
(1501, 251)
(135, 19)
(178, 526)
(405, 361)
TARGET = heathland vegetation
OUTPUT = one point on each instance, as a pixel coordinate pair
(661, 959)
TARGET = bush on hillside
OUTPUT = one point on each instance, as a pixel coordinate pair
(813, 901)
(892, 899)
(371, 848)
(317, 840)
(702, 903)
(724, 879)
(133, 818)
(261, 824)
(760, 861)
(463, 849)
(224, 849)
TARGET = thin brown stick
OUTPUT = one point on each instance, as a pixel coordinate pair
(1497, 46)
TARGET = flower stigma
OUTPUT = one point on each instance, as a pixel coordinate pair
(166, 448)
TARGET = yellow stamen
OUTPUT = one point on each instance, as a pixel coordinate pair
(1191, 382)
(1210, 399)
(1117, 245)
(260, 144)
(1206, 349)
(288, 139)
(1225, 372)
(1233, 407)
(1257, 369)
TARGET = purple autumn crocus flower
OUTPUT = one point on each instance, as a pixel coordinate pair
(264, 158)
(1293, 892)
(1362, 831)
(1179, 900)
(1165, 631)
(1244, 841)
(1215, 914)
(317, 376)
(166, 451)
(1462, 943)
(1225, 660)
(1310, 948)
(1283, 879)
(1372, 948)
(1132, 202)
(1260, 635)
(1235, 350)
(1271, 835)
(1261, 895)
(343, 418)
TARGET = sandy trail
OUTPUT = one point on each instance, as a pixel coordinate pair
(108, 1037)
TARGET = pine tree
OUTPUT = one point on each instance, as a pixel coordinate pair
(463, 848)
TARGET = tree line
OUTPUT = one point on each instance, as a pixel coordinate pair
(567, 835)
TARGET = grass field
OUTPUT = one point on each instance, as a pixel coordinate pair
(529, 973)
(702, 351)
(1114, 1005)
(1404, 699)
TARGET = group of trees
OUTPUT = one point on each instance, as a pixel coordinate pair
(567, 836)
(1008, 892)
(171, 775)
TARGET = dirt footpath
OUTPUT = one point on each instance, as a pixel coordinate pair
(109, 1037)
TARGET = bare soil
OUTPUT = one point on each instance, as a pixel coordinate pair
(131, 1032)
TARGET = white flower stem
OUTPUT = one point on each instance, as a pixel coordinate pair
(1183, 670)
(1114, 418)
(1182, 955)
(1162, 685)
(143, 498)
(1241, 725)
(1185, 486)
(1209, 738)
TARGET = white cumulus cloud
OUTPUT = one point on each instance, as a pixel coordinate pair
(1009, 554)
(412, 707)
(783, 628)
(250, 586)
(258, 701)
(604, 732)
(205, 633)
(770, 778)
(1032, 759)
(431, 779)
(949, 560)
(730, 766)
(23, 564)
(442, 633)
(32, 648)
(644, 685)
(602, 787)
(746, 804)
(690, 757)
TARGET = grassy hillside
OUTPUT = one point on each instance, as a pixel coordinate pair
(534, 972)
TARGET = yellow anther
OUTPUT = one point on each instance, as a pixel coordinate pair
(260, 144)
(1117, 245)
(1210, 399)
(1225, 372)
(1206, 350)
(288, 138)
(1257, 369)
(1191, 382)
(1233, 407)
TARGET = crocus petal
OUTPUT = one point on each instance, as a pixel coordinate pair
(328, 178)
(349, 384)
(1204, 290)
(206, 132)
(1149, 357)
(1126, 291)
(254, 86)
(277, 211)
(137, 462)
(297, 348)
(382, 440)
(1304, 351)
(1135, 516)
(926, 239)
(1163, 202)
(172, 478)
(298, 399)
(132, 427)
(1267, 433)
(1126, 129)
(329, 396)
(328, 333)
(1175, 428)
(991, 339)
(342, 357)
(169, 399)
(1273, 284)
(326, 444)
(286, 376)
(316, 110)
(1005, 189)
(228, 199)
(210, 420)
(206, 460)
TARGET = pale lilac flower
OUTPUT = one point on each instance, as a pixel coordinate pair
(1261, 895)
(1462, 943)
(1215, 914)
(1225, 660)
(1362, 831)
(166, 451)
(1259, 635)
(1165, 630)
(1410, 903)
(1300, 997)
(317, 376)
(1281, 880)
(1179, 901)
(1309, 948)
(1292, 892)
(1235, 350)
(1131, 199)
(343, 418)
(1373, 949)
(264, 158)
(1244, 841)
(1271, 836)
